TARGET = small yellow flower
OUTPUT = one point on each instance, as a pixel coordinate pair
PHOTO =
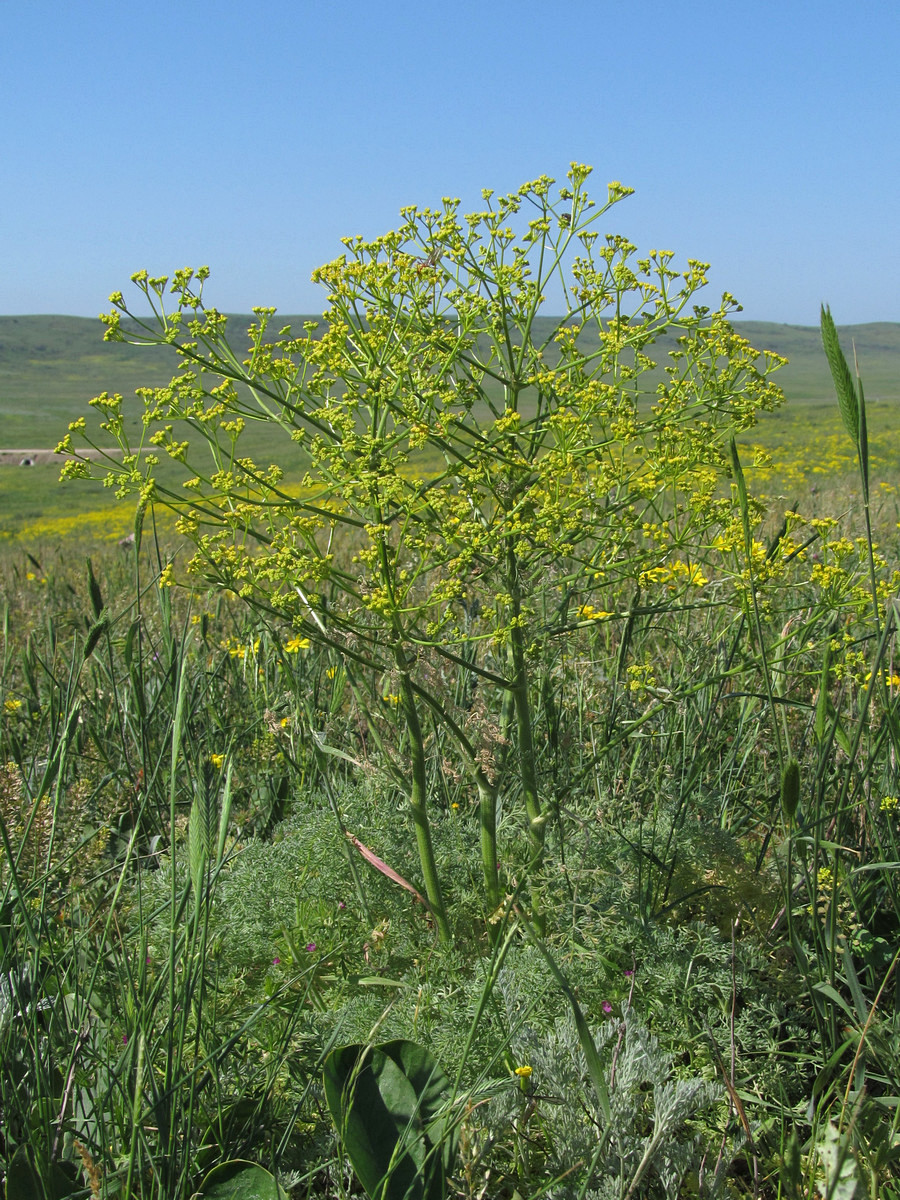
(217, 760)
(285, 722)
(524, 1072)
(892, 681)
(587, 612)
(888, 804)
(12, 706)
(391, 698)
(331, 672)
(296, 644)
(30, 575)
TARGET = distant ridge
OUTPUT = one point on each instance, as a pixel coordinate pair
(58, 361)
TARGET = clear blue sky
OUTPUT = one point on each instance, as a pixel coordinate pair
(760, 136)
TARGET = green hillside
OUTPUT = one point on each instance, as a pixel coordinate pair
(50, 366)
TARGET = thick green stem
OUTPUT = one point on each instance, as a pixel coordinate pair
(527, 768)
(488, 813)
(418, 803)
(487, 788)
(487, 797)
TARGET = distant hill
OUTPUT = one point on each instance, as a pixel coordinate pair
(807, 376)
(50, 366)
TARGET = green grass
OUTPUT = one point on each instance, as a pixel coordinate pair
(188, 985)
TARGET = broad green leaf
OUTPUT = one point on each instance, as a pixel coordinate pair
(30, 1177)
(388, 1104)
(842, 1180)
(241, 1180)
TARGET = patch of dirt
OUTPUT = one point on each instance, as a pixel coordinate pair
(40, 458)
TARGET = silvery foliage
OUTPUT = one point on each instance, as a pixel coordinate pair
(645, 1148)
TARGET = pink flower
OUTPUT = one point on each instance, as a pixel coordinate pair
(607, 1007)
(310, 947)
(275, 961)
(628, 974)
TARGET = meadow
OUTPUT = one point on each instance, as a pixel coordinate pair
(51, 366)
(521, 826)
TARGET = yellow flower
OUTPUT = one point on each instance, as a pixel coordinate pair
(892, 681)
(217, 760)
(888, 804)
(331, 672)
(391, 698)
(285, 722)
(12, 706)
(296, 644)
(524, 1072)
(587, 612)
(237, 650)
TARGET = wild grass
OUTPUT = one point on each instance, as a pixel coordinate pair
(187, 929)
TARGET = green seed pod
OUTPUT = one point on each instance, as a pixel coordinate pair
(790, 789)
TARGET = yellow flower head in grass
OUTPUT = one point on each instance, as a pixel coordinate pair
(888, 804)
(892, 680)
(587, 612)
(238, 650)
(12, 706)
(675, 573)
(524, 1072)
(217, 760)
(296, 644)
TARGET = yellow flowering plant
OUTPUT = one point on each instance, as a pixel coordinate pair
(496, 470)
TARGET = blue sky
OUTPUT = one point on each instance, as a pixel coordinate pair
(760, 137)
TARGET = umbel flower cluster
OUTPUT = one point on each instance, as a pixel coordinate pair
(465, 480)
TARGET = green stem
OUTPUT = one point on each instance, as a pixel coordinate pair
(418, 802)
(527, 769)
(487, 790)
(487, 797)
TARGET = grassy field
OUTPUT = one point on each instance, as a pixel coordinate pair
(511, 838)
(51, 366)
(188, 932)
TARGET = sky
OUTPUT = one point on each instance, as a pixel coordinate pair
(760, 137)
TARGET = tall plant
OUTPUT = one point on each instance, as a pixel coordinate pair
(494, 470)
